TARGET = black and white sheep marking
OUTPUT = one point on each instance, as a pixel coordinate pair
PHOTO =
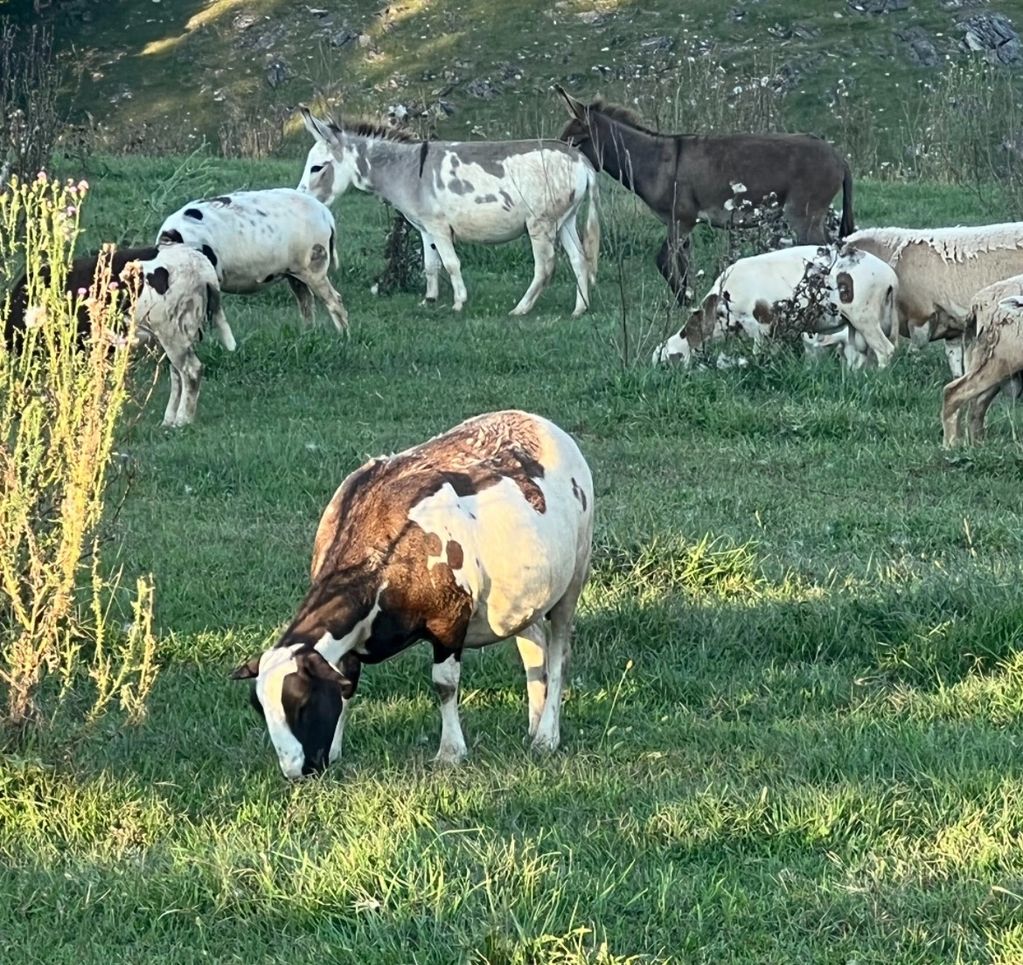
(481, 534)
(256, 238)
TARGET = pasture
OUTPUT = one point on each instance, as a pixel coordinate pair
(792, 727)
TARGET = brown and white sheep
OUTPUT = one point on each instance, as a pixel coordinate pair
(823, 286)
(480, 534)
(994, 355)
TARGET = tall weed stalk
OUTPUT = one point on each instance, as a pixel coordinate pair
(60, 404)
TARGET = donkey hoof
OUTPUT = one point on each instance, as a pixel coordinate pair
(546, 743)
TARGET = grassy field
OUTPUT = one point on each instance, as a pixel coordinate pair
(172, 72)
(792, 732)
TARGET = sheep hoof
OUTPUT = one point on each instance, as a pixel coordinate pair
(546, 743)
(450, 756)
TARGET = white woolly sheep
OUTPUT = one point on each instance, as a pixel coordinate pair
(256, 238)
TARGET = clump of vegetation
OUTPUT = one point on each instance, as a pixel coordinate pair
(60, 405)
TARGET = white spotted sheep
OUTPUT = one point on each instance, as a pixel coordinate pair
(256, 238)
(826, 288)
(481, 534)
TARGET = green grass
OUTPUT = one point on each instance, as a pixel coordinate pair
(813, 757)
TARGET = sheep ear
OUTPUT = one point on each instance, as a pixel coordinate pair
(576, 108)
(246, 671)
(319, 130)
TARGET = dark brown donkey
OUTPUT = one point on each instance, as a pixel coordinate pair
(684, 178)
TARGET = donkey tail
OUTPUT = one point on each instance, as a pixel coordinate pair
(334, 260)
(847, 227)
(591, 232)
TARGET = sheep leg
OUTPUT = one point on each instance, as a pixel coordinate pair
(190, 371)
(960, 391)
(542, 239)
(532, 644)
(954, 355)
(304, 297)
(548, 731)
(327, 294)
(879, 343)
(447, 670)
(170, 413)
(978, 412)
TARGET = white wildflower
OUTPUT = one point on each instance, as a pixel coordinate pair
(738, 187)
(35, 316)
(729, 204)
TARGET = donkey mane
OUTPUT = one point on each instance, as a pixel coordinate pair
(622, 114)
(367, 127)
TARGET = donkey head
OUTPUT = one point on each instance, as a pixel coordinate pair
(332, 163)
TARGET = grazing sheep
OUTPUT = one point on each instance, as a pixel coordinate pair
(822, 286)
(478, 535)
(940, 270)
(180, 293)
(994, 356)
(176, 293)
(256, 238)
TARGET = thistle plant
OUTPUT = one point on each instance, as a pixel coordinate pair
(60, 405)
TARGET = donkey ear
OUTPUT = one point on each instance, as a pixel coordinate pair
(316, 127)
(247, 670)
(576, 108)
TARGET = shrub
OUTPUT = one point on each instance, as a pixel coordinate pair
(59, 409)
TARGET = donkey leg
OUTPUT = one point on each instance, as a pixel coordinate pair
(448, 258)
(542, 238)
(673, 262)
(568, 234)
(304, 297)
(532, 644)
(431, 266)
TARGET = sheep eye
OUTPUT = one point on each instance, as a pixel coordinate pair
(315, 168)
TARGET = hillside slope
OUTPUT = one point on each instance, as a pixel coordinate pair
(190, 67)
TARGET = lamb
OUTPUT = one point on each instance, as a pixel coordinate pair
(940, 270)
(822, 285)
(255, 238)
(995, 355)
(475, 536)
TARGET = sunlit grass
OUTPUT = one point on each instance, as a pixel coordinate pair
(792, 728)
